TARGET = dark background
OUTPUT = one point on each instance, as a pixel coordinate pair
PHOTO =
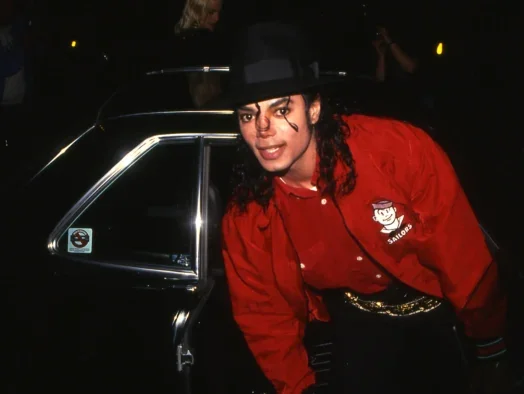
(476, 79)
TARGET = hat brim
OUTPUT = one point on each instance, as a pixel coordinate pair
(234, 98)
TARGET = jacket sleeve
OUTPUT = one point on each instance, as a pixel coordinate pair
(272, 331)
(452, 243)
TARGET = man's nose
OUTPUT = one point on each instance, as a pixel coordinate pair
(264, 129)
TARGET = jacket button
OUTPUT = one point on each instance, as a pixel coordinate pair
(378, 276)
(302, 266)
(359, 258)
(323, 201)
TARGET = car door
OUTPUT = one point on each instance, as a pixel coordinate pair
(139, 299)
(130, 275)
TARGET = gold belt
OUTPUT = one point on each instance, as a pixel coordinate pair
(418, 305)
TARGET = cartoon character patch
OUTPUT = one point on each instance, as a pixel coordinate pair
(385, 213)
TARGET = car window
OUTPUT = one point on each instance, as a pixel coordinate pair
(145, 216)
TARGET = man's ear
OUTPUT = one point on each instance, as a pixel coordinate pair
(314, 110)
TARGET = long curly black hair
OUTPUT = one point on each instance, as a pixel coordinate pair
(251, 182)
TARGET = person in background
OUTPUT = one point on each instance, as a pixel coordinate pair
(14, 83)
(199, 14)
(392, 61)
(199, 20)
(12, 55)
(403, 85)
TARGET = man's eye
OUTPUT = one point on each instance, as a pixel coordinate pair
(245, 117)
(283, 111)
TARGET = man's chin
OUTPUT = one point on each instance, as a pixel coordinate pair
(276, 169)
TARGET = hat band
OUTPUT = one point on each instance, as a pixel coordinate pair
(275, 69)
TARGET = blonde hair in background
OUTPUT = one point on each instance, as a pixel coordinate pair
(194, 12)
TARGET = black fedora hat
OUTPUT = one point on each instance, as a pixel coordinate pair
(271, 59)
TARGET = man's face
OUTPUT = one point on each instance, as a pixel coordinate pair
(278, 131)
(212, 15)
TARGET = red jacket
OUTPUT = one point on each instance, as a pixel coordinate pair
(442, 253)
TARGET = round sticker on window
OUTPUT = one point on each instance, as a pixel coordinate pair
(80, 240)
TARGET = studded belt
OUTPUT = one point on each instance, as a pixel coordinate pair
(412, 306)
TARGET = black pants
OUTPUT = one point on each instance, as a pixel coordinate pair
(377, 354)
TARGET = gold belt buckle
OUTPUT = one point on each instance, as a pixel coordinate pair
(420, 304)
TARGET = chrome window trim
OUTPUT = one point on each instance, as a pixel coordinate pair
(189, 70)
(173, 112)
(112, 175)
(204, 162)
(199, 220)
(134, 267)
(64, 150)
(226, 69)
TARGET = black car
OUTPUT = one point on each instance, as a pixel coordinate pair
(118, 281)
(115, 281)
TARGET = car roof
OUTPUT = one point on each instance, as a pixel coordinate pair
(167, 90)
(159, 91)
(158, 103)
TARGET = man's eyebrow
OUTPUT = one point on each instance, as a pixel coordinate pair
(283, 100)
(286, 100)
(245, 108)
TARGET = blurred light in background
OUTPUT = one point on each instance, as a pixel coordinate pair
(73, 44)
(440, 49)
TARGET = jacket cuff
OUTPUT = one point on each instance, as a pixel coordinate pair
(490, 349)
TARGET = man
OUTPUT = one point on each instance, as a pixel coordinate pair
(356, 219)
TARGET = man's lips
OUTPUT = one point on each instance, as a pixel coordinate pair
(271, 152)
(270, 147)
